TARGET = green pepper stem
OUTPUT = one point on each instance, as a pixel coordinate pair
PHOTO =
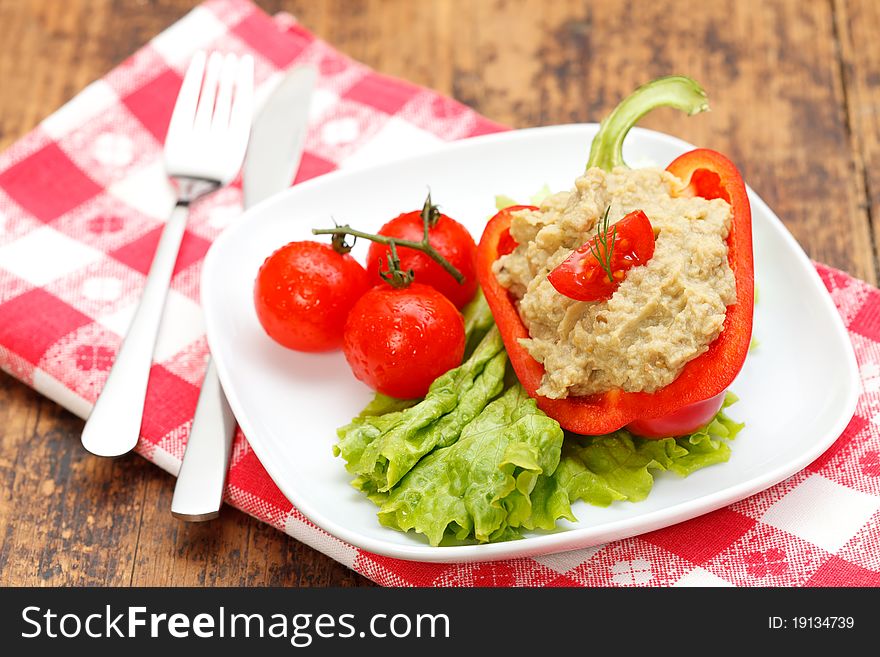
(676, 91)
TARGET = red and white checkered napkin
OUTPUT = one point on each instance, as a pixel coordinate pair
(82, 201)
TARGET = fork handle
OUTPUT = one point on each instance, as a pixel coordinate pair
(114, 424)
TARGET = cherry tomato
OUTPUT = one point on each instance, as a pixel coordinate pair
(680, 423)
(448, 237)
(584, 275)
(303, 294)
(398, 341)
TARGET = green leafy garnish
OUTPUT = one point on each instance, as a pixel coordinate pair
(382, 404)
(538, 197)
(476, 460)
(481, 486)
(600, 248)
(381, 449)
(478, 321)
(502, 201)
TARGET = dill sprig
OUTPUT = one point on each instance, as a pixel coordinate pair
(600, 248)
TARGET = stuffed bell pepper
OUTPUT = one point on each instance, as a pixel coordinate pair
(627, 301)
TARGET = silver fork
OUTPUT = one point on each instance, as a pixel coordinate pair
(204, 149)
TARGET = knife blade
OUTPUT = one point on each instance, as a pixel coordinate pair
(277, 137)
(273, 156)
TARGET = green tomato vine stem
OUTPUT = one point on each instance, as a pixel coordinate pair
(422, 245)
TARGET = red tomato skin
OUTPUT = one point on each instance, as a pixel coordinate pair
(681, 422)
(398, 341)
(448, 237)
(304, 292)
(581, 277)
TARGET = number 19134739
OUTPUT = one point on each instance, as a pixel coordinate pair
(811, 623)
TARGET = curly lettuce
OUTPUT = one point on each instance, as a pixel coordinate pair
(477, 460)
(481, 486)
(620, 466)
(381, 449)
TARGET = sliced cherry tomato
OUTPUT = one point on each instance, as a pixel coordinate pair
(448, 237)
(681, 422)
(595, 270)
(398, 341)
(303, 294)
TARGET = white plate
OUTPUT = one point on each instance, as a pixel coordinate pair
(797, 391)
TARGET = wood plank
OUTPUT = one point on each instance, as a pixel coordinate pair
(234, 550)
(858, 24)
(65, 517)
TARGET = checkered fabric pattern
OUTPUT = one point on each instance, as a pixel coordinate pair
(82, 202)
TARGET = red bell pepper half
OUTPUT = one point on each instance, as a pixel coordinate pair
(705, 173)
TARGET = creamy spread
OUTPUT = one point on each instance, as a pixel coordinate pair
(664, 314)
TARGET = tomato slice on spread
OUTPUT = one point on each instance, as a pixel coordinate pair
(595, 270)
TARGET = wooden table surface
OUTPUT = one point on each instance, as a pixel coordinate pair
(795, 91)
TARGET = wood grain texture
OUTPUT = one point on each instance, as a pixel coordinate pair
(858, 24)
(795, 91)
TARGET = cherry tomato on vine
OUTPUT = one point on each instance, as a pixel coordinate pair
(448, 237)
(595, 270)
(304, 292)
(398, 340)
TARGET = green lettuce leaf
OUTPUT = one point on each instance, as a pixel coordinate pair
(481, 486)
(538, 197)
(619, 466)
(466, 464)
(502, 201)
(382, 404)
(478, 321)
(510, 471)
(381, 449)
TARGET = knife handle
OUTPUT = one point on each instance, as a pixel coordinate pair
(198, 493)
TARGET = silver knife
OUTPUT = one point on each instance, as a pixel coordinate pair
(273, 157)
